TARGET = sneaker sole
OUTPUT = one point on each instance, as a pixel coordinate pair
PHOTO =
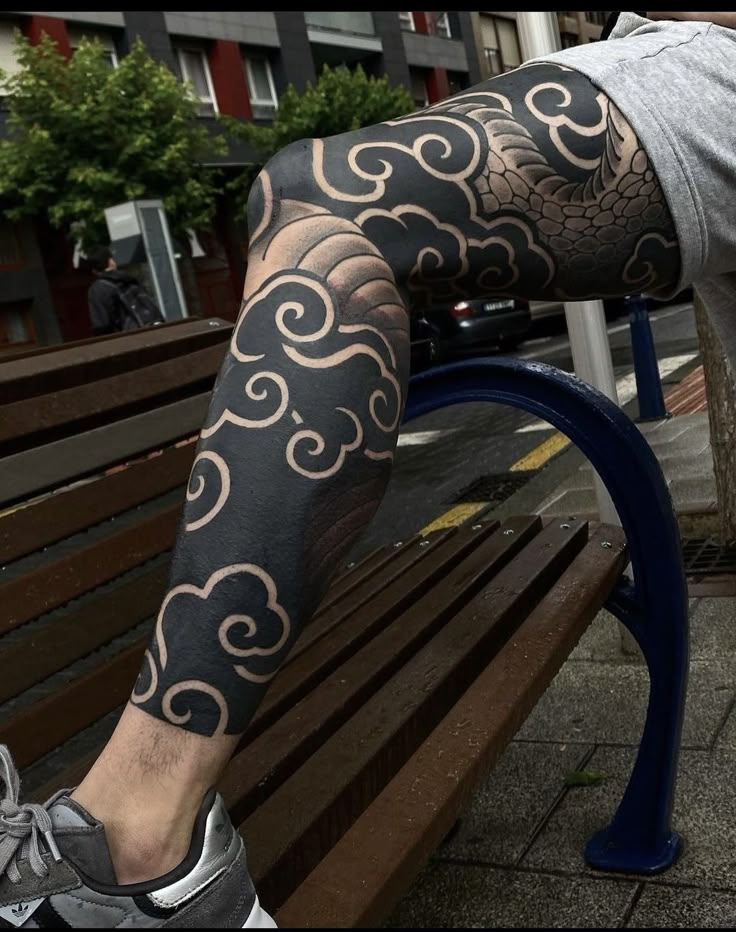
(259, 918)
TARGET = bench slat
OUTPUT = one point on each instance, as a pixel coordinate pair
(48, 587)
(59, 516)
(79, 632)
(327, 618)
(370, 564)
(65, 366)
(366, 873)
(256, 771)
(40, 728)
(61, 410)
(292, 830)
(325, 655)
(35, 471)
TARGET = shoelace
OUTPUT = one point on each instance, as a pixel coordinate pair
(21, 827)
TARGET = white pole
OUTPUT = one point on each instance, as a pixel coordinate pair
(539, 35)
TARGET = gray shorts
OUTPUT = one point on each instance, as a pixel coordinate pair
(675, 82)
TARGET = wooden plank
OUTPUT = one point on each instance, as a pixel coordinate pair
(37, 350)
(364, 875)
(76, 364)
(335, 611)
(369, 565)
(56, 517)
(294, 828)
(48, 587)
(51, 721)
(34, 471)
(109, 397)
(79, 632)
(255, 772)
(325, 655)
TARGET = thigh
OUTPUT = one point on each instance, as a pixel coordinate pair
(531, 184)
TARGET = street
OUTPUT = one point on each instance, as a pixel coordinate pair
(441, 455)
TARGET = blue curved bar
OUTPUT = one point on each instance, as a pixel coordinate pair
(639, 838)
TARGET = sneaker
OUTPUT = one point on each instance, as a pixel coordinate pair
(56, 871)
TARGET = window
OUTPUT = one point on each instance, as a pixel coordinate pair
(106, 41)
(195, 70)
(10, 254)
(8, 61)
(262, 91)
(406, 21)
(442, 25)
(500, 44)
(16, 325)
(419, 88)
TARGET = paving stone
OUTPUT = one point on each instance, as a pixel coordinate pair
(450, 896)
(506, 811)
(667, 907)
(592, 703)
(703, 814)
(713, 629)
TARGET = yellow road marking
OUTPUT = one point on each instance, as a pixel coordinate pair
(455, 516)
(539, 455)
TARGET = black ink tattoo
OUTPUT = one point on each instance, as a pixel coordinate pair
(532, 184)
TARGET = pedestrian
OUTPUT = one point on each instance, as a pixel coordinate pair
(597, 171)
(117, 300)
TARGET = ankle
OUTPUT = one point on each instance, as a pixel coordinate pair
(146, 788)
(146, 839)
(142, 853)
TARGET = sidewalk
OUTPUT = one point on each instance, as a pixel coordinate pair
(682, 446)
(516, 859)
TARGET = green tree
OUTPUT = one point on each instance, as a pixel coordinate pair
(82, 137)
(340, 101)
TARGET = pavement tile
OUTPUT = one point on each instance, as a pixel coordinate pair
(591, 703)
(703, 814)
(713, 629)
(448, 896)
(691, 465)
(698, 488)
(507, 810)
(674, 426)
(666, 907)
(602, 642)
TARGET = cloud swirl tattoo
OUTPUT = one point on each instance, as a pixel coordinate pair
(532, 184)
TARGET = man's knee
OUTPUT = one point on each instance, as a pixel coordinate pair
(287, 175)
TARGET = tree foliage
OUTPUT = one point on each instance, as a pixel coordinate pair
(340, 101)
(84, 136)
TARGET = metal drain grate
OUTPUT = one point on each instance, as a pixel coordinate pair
(495, 488)
(707, 558)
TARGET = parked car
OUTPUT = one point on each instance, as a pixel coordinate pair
(480, 323)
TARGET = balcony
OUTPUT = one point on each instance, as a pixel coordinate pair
(433, 40)
(342, 37)
(359, 24)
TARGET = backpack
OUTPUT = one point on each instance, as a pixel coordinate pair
(137, 306)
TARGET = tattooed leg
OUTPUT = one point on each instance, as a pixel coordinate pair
(532, 184)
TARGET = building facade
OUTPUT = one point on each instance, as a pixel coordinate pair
(239, 63)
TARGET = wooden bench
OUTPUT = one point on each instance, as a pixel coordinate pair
(418, 668)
